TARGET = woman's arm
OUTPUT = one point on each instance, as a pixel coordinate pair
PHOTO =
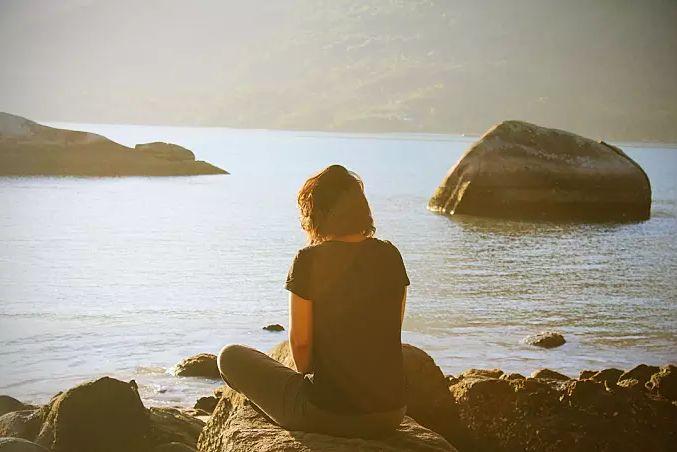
(404, 302)
(301, 332)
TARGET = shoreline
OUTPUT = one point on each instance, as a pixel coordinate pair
(479, 409)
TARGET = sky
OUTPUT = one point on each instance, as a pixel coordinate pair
(604, 68)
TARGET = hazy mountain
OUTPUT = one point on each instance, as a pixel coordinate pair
(602, 68)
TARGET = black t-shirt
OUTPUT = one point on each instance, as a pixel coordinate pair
(356, 289)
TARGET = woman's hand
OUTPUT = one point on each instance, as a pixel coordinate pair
(301, 332)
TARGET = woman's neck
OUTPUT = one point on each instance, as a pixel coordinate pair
(356, 237)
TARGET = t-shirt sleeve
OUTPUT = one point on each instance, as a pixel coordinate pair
(299, 277)
(400, 272)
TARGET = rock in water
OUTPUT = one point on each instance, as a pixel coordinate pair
(100, 416)
(274, 327)
(28, 148)
(237, 427)
(200, 365)
(547, 339)
(524, 171)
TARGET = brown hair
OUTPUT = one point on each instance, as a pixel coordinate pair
(332, 202)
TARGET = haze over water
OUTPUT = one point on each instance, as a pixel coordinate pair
(126, 276)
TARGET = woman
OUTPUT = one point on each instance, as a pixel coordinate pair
(346, 305)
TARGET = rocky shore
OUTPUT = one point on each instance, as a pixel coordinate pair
(477, 410)
(31, 149)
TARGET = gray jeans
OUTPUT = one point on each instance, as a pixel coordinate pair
(283, 395)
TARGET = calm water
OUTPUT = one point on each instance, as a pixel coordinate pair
(126, 276)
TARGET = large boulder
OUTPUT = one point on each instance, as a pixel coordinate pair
(428, 400)
(524, 171)
(105, 415)
(28, 148)
(236, 426)
(574, 415)
(200, 365)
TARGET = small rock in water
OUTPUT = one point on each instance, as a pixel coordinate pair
(274, 327)
(547, 339)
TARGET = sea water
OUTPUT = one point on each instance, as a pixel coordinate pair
(127, 276)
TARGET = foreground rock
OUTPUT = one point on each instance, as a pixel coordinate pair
(19, 445)
(428, 399)
(101, 416)
(28, 148)
(523, 171)
(547, 339)
(200, 365)
(236, 426)
(535, 414)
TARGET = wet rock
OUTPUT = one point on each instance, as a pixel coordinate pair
(206, 403)
(19, 445)
(524, 171)
(98, 416)
(200, 365)
(235, 426)
(664, 382)
(171, 425)
(274, 327)
(547, 339)
(547, 374)
(481, 373)
(642, 373)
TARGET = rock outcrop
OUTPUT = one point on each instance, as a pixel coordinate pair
(523, 171)
(428, 399)
(536, 414)
(30, 149)
(236, 426)
(200, 365)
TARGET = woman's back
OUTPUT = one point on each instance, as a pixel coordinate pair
(356, 289)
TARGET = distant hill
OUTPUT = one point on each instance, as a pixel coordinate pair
(604, 69)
